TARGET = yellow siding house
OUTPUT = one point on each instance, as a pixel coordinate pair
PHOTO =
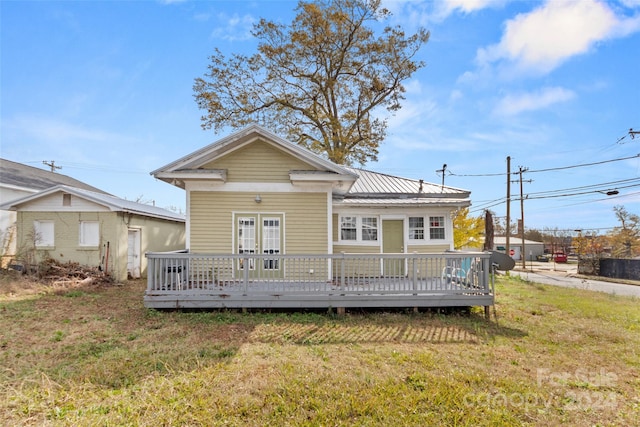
(253, 192)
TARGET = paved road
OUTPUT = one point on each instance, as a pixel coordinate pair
(564, 278)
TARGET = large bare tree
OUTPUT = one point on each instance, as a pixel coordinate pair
(318, 80)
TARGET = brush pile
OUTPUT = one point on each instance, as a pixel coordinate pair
(72, 274)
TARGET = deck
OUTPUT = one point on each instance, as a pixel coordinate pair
(186, 280)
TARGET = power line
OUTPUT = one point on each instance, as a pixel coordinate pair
(549, 169)
(585, 164)
(572, 194)
(92, 167)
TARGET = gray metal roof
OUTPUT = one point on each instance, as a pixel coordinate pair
(374, 185)
(114, 203)
(30, 178)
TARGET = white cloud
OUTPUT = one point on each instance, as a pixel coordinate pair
(468, 6)
(543, 39)
(52, 130)
(514, 104)
(234, 27)
(424, 13)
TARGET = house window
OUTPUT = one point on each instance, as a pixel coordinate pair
(416, 228)
(43, 233)
(348, 228)
(89, 233)
(66, 200)
(436, 227)
(369, 229)
(359, 229)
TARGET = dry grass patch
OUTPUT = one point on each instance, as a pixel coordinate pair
(96, 356)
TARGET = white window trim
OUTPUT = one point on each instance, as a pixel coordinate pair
(427, 230)
(444, 227)
(359, 241)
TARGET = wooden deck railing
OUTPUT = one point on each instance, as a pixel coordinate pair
(209, 280)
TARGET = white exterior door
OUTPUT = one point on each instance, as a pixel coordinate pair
(260, 234)
(133, 253)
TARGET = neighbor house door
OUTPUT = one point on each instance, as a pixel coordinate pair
(260, 234)
(133, 253)
(393, 243)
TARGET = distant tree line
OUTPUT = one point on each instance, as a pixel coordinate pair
(622, 241)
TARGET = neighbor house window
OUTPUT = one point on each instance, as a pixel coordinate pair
(416, 228)
(369, 229)
(436, 227)
(43, 233)
(348, 228)
(66, 200)
(89, 233)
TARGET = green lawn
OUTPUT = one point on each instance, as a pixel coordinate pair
(96, 356)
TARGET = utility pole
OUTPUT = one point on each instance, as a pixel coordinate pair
(523, 252)
(52, 165)
(507, 248)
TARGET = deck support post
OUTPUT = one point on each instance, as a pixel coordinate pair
(487, 312)
(341, 311)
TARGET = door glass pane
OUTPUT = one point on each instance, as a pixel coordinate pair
(247, 239)
(271, 241)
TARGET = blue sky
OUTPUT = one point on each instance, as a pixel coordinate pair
(104, 89)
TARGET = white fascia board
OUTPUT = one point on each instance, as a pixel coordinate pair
(264, 187)
(320, 177)
(209, 174)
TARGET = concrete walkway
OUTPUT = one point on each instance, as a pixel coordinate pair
(565, 275)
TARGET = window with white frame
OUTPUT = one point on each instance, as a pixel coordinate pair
(359, 229)
(43, 233)
(436, 227)
(370, 229)
(416, 228)
(348, 228)
(89, 233)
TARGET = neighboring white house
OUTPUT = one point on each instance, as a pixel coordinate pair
(531, 248)
(93, 229)
(16, 181)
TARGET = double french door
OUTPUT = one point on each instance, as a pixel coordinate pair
(260, 234)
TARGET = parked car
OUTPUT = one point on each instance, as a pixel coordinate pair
(560, 257)
(542, 258)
